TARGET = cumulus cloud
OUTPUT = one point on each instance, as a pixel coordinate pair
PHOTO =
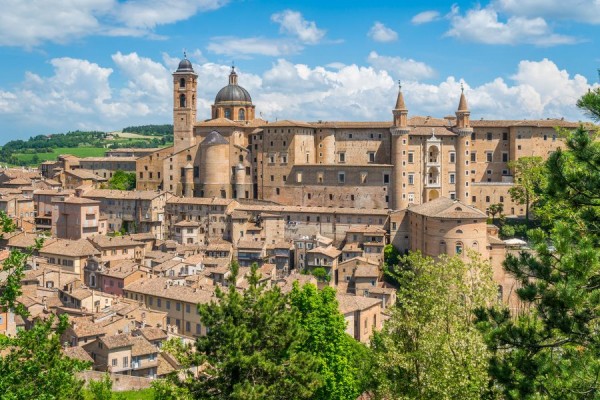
(150, 13)
(483, 25)
(62, 21)
(425, 17)
(403, 68)
(293, 23)
(587, 11)
(381, 33)
(81, 95)
(236, 46)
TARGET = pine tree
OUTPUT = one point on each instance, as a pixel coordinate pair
(553, 352)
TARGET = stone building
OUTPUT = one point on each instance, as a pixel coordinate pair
(140, 211)
(371, 165)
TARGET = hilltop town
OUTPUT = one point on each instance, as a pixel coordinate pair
(308, 202)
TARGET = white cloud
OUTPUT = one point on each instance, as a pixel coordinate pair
(482, 25)
(425, 17)
(587, 11)
(403, 68)
(80, 94)
(381, 33)
(55, 20)
(293, 23)
(150, 13)
(33, 22)
(235, 46)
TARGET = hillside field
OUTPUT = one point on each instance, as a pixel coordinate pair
(76, 151)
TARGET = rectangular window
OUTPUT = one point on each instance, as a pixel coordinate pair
(489, 156)
(187, 308)
(452, 178)
(168, 304)
(114, 362)
(158, 303)
(342, 157)
(411, 197)
(178, 306)
(125, 362)
(411, 179)
(473, 156)
(504, 157)
(386, 178)
(341, 177)
(504, 135)
(452, 157)
(187, 326)
(371, 157)
(299, 177)
(198, 329)
(452, 195)
(489, 136)
(411, 157)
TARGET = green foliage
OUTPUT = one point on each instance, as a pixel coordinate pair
(14, 266)
(529, 177)
(168, 389)
(162, 130)
(102, 389)
(321, 274)
(590, 104)
(496, 209)
(32, 365)
(254, 347)
(391, 255)
(344, 363)
(430, 347)
(553, 352)
(122, 181)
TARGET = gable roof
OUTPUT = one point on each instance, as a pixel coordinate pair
(444, 207)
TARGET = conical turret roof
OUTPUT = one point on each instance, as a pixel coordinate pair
(462, 104)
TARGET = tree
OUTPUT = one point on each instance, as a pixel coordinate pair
(321, 274)
(496, 209)
(32, 365)
(254, 348)
(528, 174)
(122, 181)
(430, 347)
(343, 362)
(554, 350)
(102, 389)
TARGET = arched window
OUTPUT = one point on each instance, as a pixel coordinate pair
(182, 83)
(475, 246)
(459, 248)
(228, 113)
(241, 158)
(189, 157)
(242, 114)
(182, 100)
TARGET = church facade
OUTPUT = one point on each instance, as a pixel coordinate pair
(406, 161)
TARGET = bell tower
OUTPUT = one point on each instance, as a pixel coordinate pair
(185, 85)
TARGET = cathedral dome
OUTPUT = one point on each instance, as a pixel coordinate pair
(233, 93)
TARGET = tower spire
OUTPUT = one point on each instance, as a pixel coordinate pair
(400, 105)
(462, 104)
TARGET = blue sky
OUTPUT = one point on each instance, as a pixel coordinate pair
(106, 64)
